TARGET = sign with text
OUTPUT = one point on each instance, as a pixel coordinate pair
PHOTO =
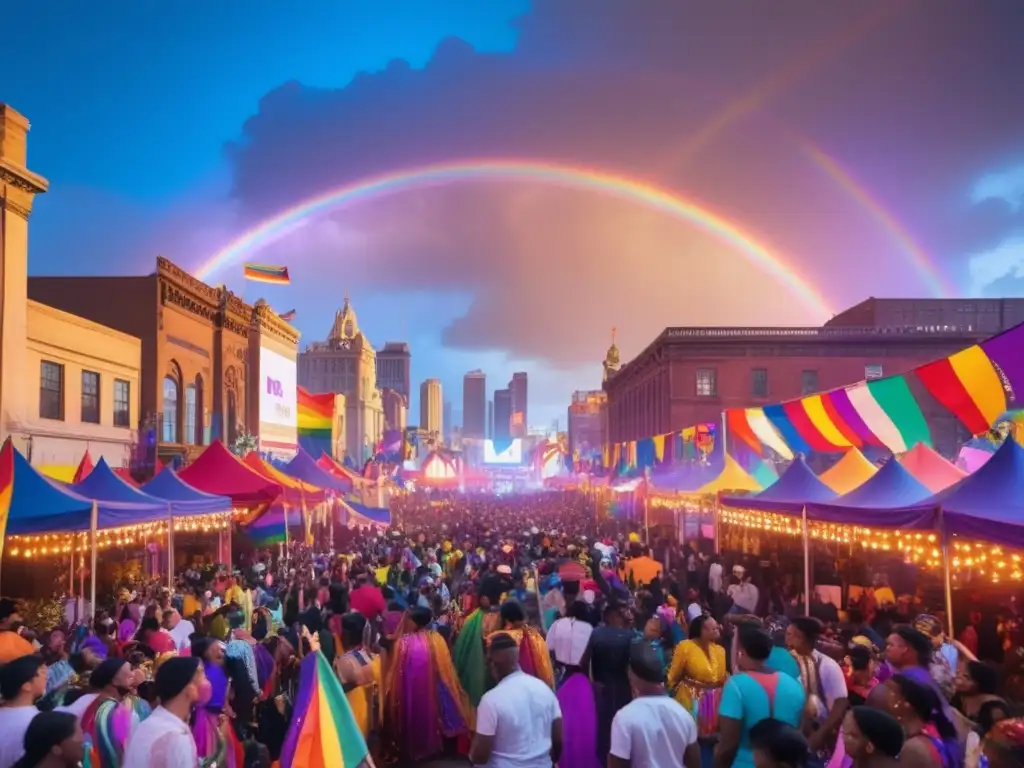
(278, 391)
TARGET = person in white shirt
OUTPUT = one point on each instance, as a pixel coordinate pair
(518, 722)
(653, 730)
(824, 683)
(180, 630)
(22, 684)
(743, 593)
(568, 637)
(164, 739)
(715, 575)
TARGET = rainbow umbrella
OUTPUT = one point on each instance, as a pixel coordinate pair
(323, 732)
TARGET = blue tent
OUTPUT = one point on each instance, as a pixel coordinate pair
(870, 503)
(40, 505)
(377, 515)
(796, 488)
(104, 485)
(988, 504)
(304, 467)
(183, 498)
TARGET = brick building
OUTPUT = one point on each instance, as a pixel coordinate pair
(687, 376)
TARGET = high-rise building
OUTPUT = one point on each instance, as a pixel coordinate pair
(518, 419)
(490, 419)
(446, 420)
(588, 426)
(394, 364)
(431, 407)
(346, 364)
(502, 415)
(396, 408)
(474, 404)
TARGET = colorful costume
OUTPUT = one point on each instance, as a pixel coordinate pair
(216, 742)
(107, 723)
(468, 653)
(534, 658)
(697, 678)
(423, 700)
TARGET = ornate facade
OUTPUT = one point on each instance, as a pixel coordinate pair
(346, 363)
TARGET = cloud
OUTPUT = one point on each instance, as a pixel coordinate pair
(703, 98)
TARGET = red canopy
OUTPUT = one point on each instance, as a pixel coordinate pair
(220, 472)
(85, 466)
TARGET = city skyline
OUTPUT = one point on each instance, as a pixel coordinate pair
(482, 231)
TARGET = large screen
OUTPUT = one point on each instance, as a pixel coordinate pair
(511, 453)
(278, 391)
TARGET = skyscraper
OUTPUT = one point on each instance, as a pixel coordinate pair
(394, 363)
(474, 404)
(518, 417)
(502, 416)
(490, 419)
(446, 420)
(431, 407)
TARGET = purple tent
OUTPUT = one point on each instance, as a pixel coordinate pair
(987, 505)
(184, 500)
(104, 485)
(304, 467)
(797, 488)
(870, 502)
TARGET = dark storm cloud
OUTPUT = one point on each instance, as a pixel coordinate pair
(919, 99)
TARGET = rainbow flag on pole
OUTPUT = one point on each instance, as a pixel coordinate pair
(6, 488)
(323, 732)
(265, 273)
(288, 316)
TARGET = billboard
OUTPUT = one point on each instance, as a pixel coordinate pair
(278, 390)
(507, 452)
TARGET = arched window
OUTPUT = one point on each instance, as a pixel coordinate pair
(232, 418)
(170, 428)
(200, 431)
(190, 414)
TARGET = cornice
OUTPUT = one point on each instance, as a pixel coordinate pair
(171, 272)
(269, 322)
(22, 178)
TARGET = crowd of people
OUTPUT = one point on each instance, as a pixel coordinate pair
(510, 631)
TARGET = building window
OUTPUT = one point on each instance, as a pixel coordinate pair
(122, 403)
(200, 431)
(759, 382)
(808, 382)
(51, 390)
(232, 418)
(190, 414)
(707, 382)
(90, 397)
(170, 430)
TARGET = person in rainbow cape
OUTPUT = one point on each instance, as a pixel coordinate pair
(534, 658)
(423, 702)
(483, 621)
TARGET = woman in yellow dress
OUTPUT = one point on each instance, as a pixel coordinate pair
(696, 678)
(534, 657)
(359, 672)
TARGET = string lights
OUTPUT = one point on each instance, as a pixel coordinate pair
(972, 558)
(62, 544)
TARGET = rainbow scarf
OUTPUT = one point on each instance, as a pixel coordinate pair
(323, 732)
(107, 724)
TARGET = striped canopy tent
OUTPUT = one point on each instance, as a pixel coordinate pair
(930, 469)
(851, 471)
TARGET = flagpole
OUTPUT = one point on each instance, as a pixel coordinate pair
(93, 525)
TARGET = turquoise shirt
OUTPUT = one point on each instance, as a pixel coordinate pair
(746, 700)
(782, 660)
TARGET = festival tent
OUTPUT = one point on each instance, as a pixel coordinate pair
(870, 503)
(85, 466)
(183, 498)
(103, 485)
(797, 488)
(987, 505)
(220, 472)
(39, 505)
(851, 471)
(337, 469)
(360, 514)
(295, 491)
(732, 478)
(930, 468)
(304, 468)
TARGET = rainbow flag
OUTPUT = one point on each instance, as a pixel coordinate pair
(316, 421)
(269, 527)
(265, 273)
(6, 488)
(323, 732)
(288, 316)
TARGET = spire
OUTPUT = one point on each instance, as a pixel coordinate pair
(346, 324)
(611, 359)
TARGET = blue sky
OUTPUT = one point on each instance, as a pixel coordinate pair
(171, 129)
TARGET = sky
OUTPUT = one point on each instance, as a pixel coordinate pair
(589, 163)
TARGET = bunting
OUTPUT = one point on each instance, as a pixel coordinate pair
(976, 384)
(686, 444)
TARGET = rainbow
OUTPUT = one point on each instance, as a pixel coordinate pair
(535, 171)
(939, 285)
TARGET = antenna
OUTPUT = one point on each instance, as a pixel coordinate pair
(614, 329)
